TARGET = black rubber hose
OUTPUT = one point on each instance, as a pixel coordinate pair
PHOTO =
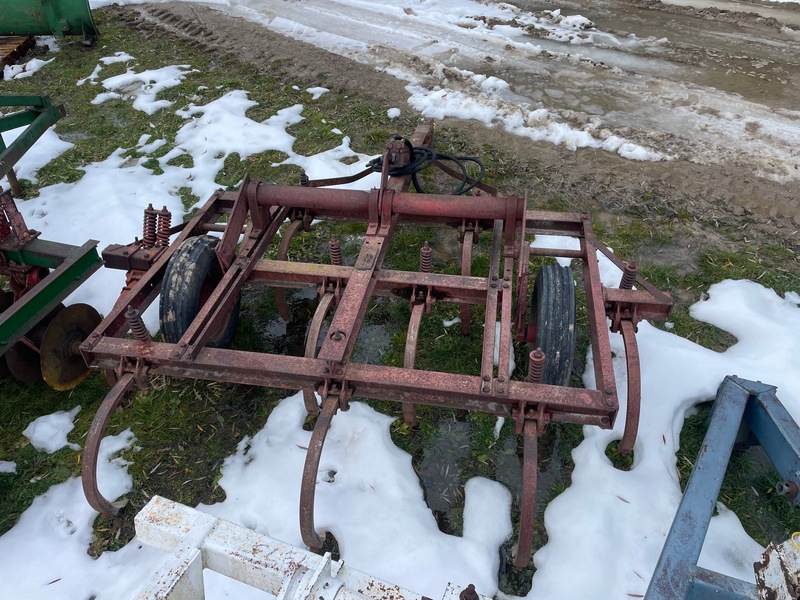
(423, 157)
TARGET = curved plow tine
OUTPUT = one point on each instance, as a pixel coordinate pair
(283, 254)
(90, 453)
(312, 340)
(634, 386)
(466, 270)
(330, 404)
(527, 508)
(417, 310)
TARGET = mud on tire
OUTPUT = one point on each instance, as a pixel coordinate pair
(553, 312)
(191, 276)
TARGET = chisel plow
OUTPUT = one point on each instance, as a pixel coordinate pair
(200, 275)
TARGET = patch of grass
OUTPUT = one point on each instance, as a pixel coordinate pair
(773, 267)
(35, 470)
(621, 461)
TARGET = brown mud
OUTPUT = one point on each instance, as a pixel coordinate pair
(717, 194)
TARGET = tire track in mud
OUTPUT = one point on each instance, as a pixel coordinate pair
(584, 178)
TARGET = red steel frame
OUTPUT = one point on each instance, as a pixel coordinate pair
(252, 218)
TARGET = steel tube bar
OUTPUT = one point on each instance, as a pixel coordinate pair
(710, 585)
(490, 318)
(506, 305)
(345, 203)
(466, 271)
(226, 248)
(777, 433)
(504, 343)
(598, 330)
(685, 539)
(454, 208)
(454, 288)
(355, 204)
(373, 381)
(349, 316)
(558, 253)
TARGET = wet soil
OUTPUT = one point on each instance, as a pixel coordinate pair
(585, 179)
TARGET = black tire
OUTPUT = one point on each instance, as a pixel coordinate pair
(191, 276)
(553, 313)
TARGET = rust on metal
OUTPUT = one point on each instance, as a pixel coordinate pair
(527, 507)
(410, 357)
(12, 48)
(312, 341)
(634, 388)
(535, 366)
(92, 450)
(311, 538)
(250, 221)
(469, 593)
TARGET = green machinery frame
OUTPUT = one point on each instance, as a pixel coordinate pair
(41, 273)
(48, 17)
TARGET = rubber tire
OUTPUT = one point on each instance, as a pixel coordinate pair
(191, 275)
(553, 313)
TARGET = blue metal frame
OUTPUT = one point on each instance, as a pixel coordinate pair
(677, 575)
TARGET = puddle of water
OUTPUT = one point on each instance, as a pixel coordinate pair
(438, 471)
(789, 17)
(442, 468)
(282, 337)
(759, 64)
(374, 340)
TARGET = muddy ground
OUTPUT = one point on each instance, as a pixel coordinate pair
(716, 194)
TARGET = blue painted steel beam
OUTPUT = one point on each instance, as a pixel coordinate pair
(708, 585)
(676, 573)
(777, 433)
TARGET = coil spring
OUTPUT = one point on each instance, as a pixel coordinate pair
(136, 325)
(425, 258)
(149, 227)
(164, 223)
(628, 276)
(335, 251)
(535, 366)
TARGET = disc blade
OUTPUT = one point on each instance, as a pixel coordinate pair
(23, 363)
(62, 364)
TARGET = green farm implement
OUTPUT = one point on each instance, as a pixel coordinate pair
(48, 17)
(39, 337)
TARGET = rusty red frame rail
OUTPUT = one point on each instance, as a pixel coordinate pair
(255, 214)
